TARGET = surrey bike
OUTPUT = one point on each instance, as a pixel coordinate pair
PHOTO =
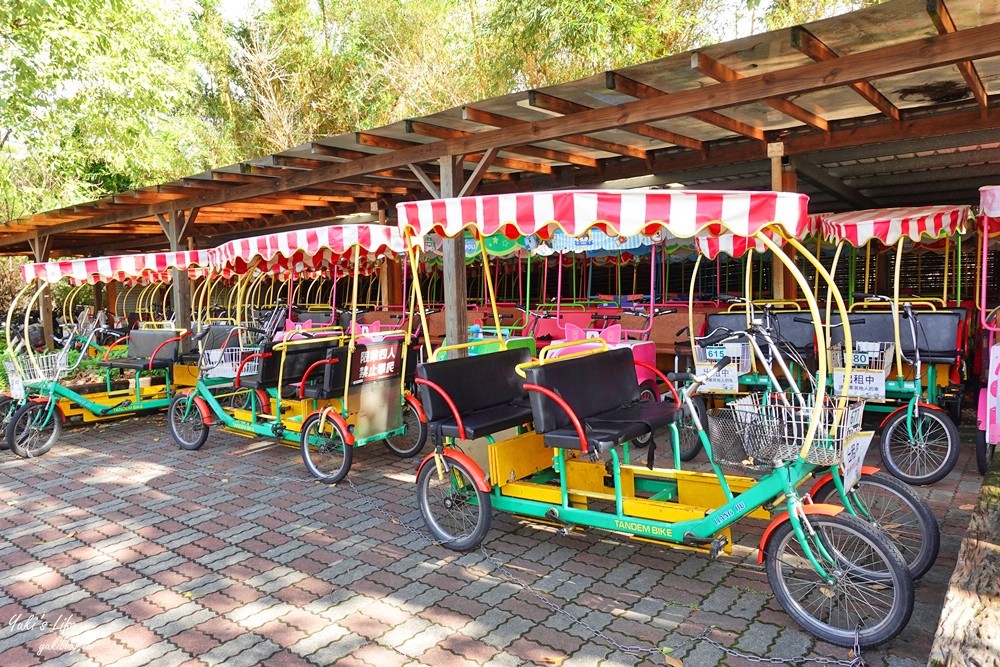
(542, 441)
(323, 388)
(38, 380)
(918, 439)
(886, 502)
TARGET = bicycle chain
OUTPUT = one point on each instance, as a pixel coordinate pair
(501, 568)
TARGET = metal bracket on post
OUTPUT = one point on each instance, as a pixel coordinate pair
(175, 226)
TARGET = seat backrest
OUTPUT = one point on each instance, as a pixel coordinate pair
(268, 366)
(802, 335)
(473, 383)
(591, 385)
(733, 321)
(218, 335)
(938, 332)
(665, 327)
(876, 328)
(297, 358)
(142, 343)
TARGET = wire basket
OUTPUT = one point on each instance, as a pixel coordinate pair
(836, 426)
(225, 362)
(868, 356)
(33, 370)
(745, 435)
(872, 363)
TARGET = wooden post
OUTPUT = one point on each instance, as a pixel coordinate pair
(41, 247)
(775, 151)
(783, 179)
(391, 274)
(455, 297)
(174, 226)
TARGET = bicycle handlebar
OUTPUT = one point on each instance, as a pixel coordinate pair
(867, 296)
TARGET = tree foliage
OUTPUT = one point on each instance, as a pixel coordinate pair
(99, 96)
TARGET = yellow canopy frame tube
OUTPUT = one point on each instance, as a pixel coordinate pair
(821, 371)
(694, 276)
(895, 298)
(489, 285)
(10, 318)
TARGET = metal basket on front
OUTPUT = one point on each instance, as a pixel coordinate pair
(225, 362)
(872, 363)
(836, 425)
(745, 435)
(33, 370)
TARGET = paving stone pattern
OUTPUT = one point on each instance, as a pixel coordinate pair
(134, 552)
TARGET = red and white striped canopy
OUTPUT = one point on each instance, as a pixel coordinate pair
(308, 249)
(731, 244)
(117, 268)
(682, 214)
(888, 225)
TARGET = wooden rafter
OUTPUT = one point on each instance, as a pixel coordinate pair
(369, 139)
(812, 46)
(945, 24)
(497, 120)
(715, 70)
(476, 177)
(568, 107)
(438, 132)
(425, 180)
(825, 181)
(641, 91)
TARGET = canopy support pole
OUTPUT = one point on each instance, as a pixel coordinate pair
(41, 246)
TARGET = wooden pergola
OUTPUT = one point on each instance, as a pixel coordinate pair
(891, 105)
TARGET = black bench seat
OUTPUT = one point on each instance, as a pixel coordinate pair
(485, 390)
(289, 363)
(148, 349)
(603, 392)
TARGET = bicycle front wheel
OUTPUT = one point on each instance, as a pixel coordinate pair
(33, 429)
(920, 449)
(454, 509)
(871, 593)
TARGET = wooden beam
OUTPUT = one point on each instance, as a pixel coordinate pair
(641, 91)
(496, 120)
(425, 180)
(915, 55)
(567, 107)
(477, 174)
(810, 45)
(824, 181)
(426, 129)
(808, 142)
(945, 24)
(369, 139)
(716, 70)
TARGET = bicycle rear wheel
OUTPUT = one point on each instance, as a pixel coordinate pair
(892, 506)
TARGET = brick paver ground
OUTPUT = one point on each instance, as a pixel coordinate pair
(133, 552)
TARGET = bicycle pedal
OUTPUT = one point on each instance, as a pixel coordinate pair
(717, 547)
